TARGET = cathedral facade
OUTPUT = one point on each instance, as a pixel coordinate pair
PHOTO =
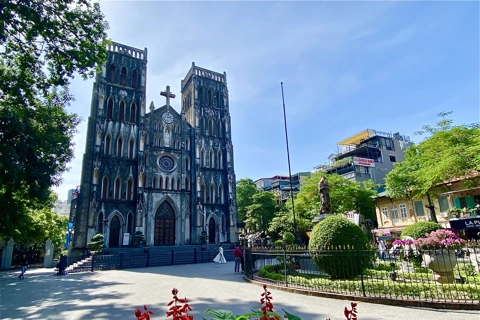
(169, 175)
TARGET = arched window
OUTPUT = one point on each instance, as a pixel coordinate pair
(187, 144)
(220, 193)
(108, 140)
(112, 74)
(202, 159)
(100, 223)
(110, 109)
(145, 180)
(217, 98)
(130, 189)
(174, 185)
(224, 223)
(212, 193)
(187, 163)
(187, 184)
(204, 193)
(210, 127)
(155, 125)
(133, 113)
(121, 112)
(219, 160)
(160, 185)
(118, 189)
(209, 97)
(155, 185)
(211, 159)
(119, 147)
(219, 128)
(105, 187)
(200, 95)
(123, 77)
(134, 78)
(130, 149)
(202, 126)
(130, 223)
(178, 184)
(167, 183)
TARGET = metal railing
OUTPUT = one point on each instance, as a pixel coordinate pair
(126, 260)
(348, 271)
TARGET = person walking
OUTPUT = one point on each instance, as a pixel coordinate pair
(242, 260)
(220, 258)
(237, 253)
(23, 266)
(382, 249)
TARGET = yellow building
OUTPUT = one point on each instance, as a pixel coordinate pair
(393, 215)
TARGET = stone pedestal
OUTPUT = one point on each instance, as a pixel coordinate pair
(7, 254)
(442, 263)
(48, 259)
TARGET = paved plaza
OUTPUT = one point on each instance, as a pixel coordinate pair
(116, 294)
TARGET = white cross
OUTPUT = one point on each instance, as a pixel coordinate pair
(168, 94)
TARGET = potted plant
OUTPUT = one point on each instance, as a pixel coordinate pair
(203, 237)
(453, 212)
(138, 239)
(438, 250)
(97, 243)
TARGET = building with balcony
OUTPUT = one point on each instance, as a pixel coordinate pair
(369, 154)
(280, 185)
(393, 215)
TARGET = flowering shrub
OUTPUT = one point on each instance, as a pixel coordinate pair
(179, 310)
(440, 239)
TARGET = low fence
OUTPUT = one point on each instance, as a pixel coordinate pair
(127, 260)
(435, 276)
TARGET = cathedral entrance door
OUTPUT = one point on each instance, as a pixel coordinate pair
(114, 236)
(211, 231)
(164, 225)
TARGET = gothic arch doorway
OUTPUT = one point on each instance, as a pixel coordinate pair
(164, 225)
(114, 236)
(211, 231)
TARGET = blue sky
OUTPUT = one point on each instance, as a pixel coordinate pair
(346, 67)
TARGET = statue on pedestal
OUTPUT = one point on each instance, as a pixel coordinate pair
(325, 204)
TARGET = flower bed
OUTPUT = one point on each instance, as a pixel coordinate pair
(179, 309)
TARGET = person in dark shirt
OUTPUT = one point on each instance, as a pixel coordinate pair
(23, 266)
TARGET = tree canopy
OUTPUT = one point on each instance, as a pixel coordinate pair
(261, 212)
(245, 189)
(345, 196)
(448, 152)
(43, 44)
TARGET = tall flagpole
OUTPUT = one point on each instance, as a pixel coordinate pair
(289, 170)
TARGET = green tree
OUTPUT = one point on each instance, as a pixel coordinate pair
(245, 190)
(447, 152)
(261, 212)
(345, 195)
(44, 43)
(41, 223)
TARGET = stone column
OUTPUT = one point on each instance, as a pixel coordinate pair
(7, 255)
(48, 259)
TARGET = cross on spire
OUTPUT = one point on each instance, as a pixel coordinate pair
(168, 94)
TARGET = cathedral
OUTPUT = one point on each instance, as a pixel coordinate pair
(169, 175)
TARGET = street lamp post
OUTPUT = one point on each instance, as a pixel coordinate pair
(295, 232)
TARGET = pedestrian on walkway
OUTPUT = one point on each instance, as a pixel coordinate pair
(242, 260)
(220, 258)
(23, 266)
(237, 253)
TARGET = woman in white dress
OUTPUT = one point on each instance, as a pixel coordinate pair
(220, 258)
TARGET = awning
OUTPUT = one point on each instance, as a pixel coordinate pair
(460, 224)
(357, 138)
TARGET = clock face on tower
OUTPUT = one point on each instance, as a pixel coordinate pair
(167, 117)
